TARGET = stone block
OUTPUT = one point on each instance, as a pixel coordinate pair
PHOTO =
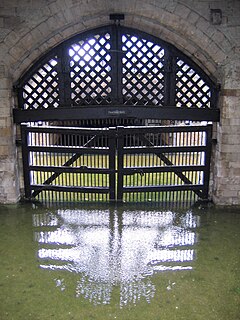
(2, 71)
(6, 132)
(231, 139)
(67, 14)
(170, 5)
(229, 128)
(61, 18)
(17, 52)
(230, 148)
(11, 39)
(202, 24)
(56, 6)
(52, 24)
(3, 123)
(4, 150)
(4, 54)
(28, 40)
(44, 29)
(232, 74)
(235, 163)
(193, 17)
(236, 173)
(182, 10)
(10, 22)
(5, 93)
(229, 194)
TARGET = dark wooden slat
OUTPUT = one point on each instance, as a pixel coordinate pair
(76, 150)
(44, 187)
(25, 159)
(118, 111)
(156, 150)
(184, 187)
(207, 161)
(112, 164)
(159, 129)
(176, 169)
(68, 130)
(65, 169)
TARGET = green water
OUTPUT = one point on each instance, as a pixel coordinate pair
(119, 263)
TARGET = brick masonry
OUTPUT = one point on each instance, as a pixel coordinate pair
(29, 28)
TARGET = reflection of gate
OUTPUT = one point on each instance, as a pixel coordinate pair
(154, 163)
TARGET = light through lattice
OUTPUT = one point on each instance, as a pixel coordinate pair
(90, 70)
(143, 71)
(191, 89)
(116, 66)
(41, 90)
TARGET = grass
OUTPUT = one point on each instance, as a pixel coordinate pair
(103, 180)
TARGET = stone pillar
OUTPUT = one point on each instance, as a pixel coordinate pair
(9, 187)
(227, 163)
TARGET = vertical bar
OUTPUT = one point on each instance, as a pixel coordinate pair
(120, 135)
(112, 163)
(25, 159)
(206, 173)
(116, 63)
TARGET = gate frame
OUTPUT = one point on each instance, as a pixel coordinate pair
(201, 190)
(117, 171)
(69, 110)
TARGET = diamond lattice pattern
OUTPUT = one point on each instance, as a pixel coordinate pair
(101, 70)
(191, 89)
(143, 71)
(90, 70)
(41, 90)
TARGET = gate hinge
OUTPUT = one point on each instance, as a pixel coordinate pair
(18, 142)
(138, 171)
(16, 88)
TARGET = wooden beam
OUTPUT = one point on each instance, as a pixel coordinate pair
(119, 111)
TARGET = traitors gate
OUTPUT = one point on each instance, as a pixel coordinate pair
(103, 118)
(117, 163)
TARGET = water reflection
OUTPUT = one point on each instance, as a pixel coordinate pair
(115, 247)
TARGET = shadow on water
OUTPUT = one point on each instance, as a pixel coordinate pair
(116, 246)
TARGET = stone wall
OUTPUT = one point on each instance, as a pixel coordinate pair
(207, 31)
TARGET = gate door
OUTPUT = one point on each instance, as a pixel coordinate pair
(132, 164)
(68, 164)
(168, 163)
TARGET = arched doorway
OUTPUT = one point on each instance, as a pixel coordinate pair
(102, 79)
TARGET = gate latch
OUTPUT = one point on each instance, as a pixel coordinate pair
(138, 171)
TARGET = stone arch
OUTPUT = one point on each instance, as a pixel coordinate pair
(177, 24)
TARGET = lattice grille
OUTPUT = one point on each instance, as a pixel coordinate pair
(116, 66)
(191, 89)
(90, 70)
(41, 90)
(143, 71)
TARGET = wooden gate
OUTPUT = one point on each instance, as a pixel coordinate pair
(132, 164)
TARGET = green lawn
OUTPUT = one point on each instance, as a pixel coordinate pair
(102, 180)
